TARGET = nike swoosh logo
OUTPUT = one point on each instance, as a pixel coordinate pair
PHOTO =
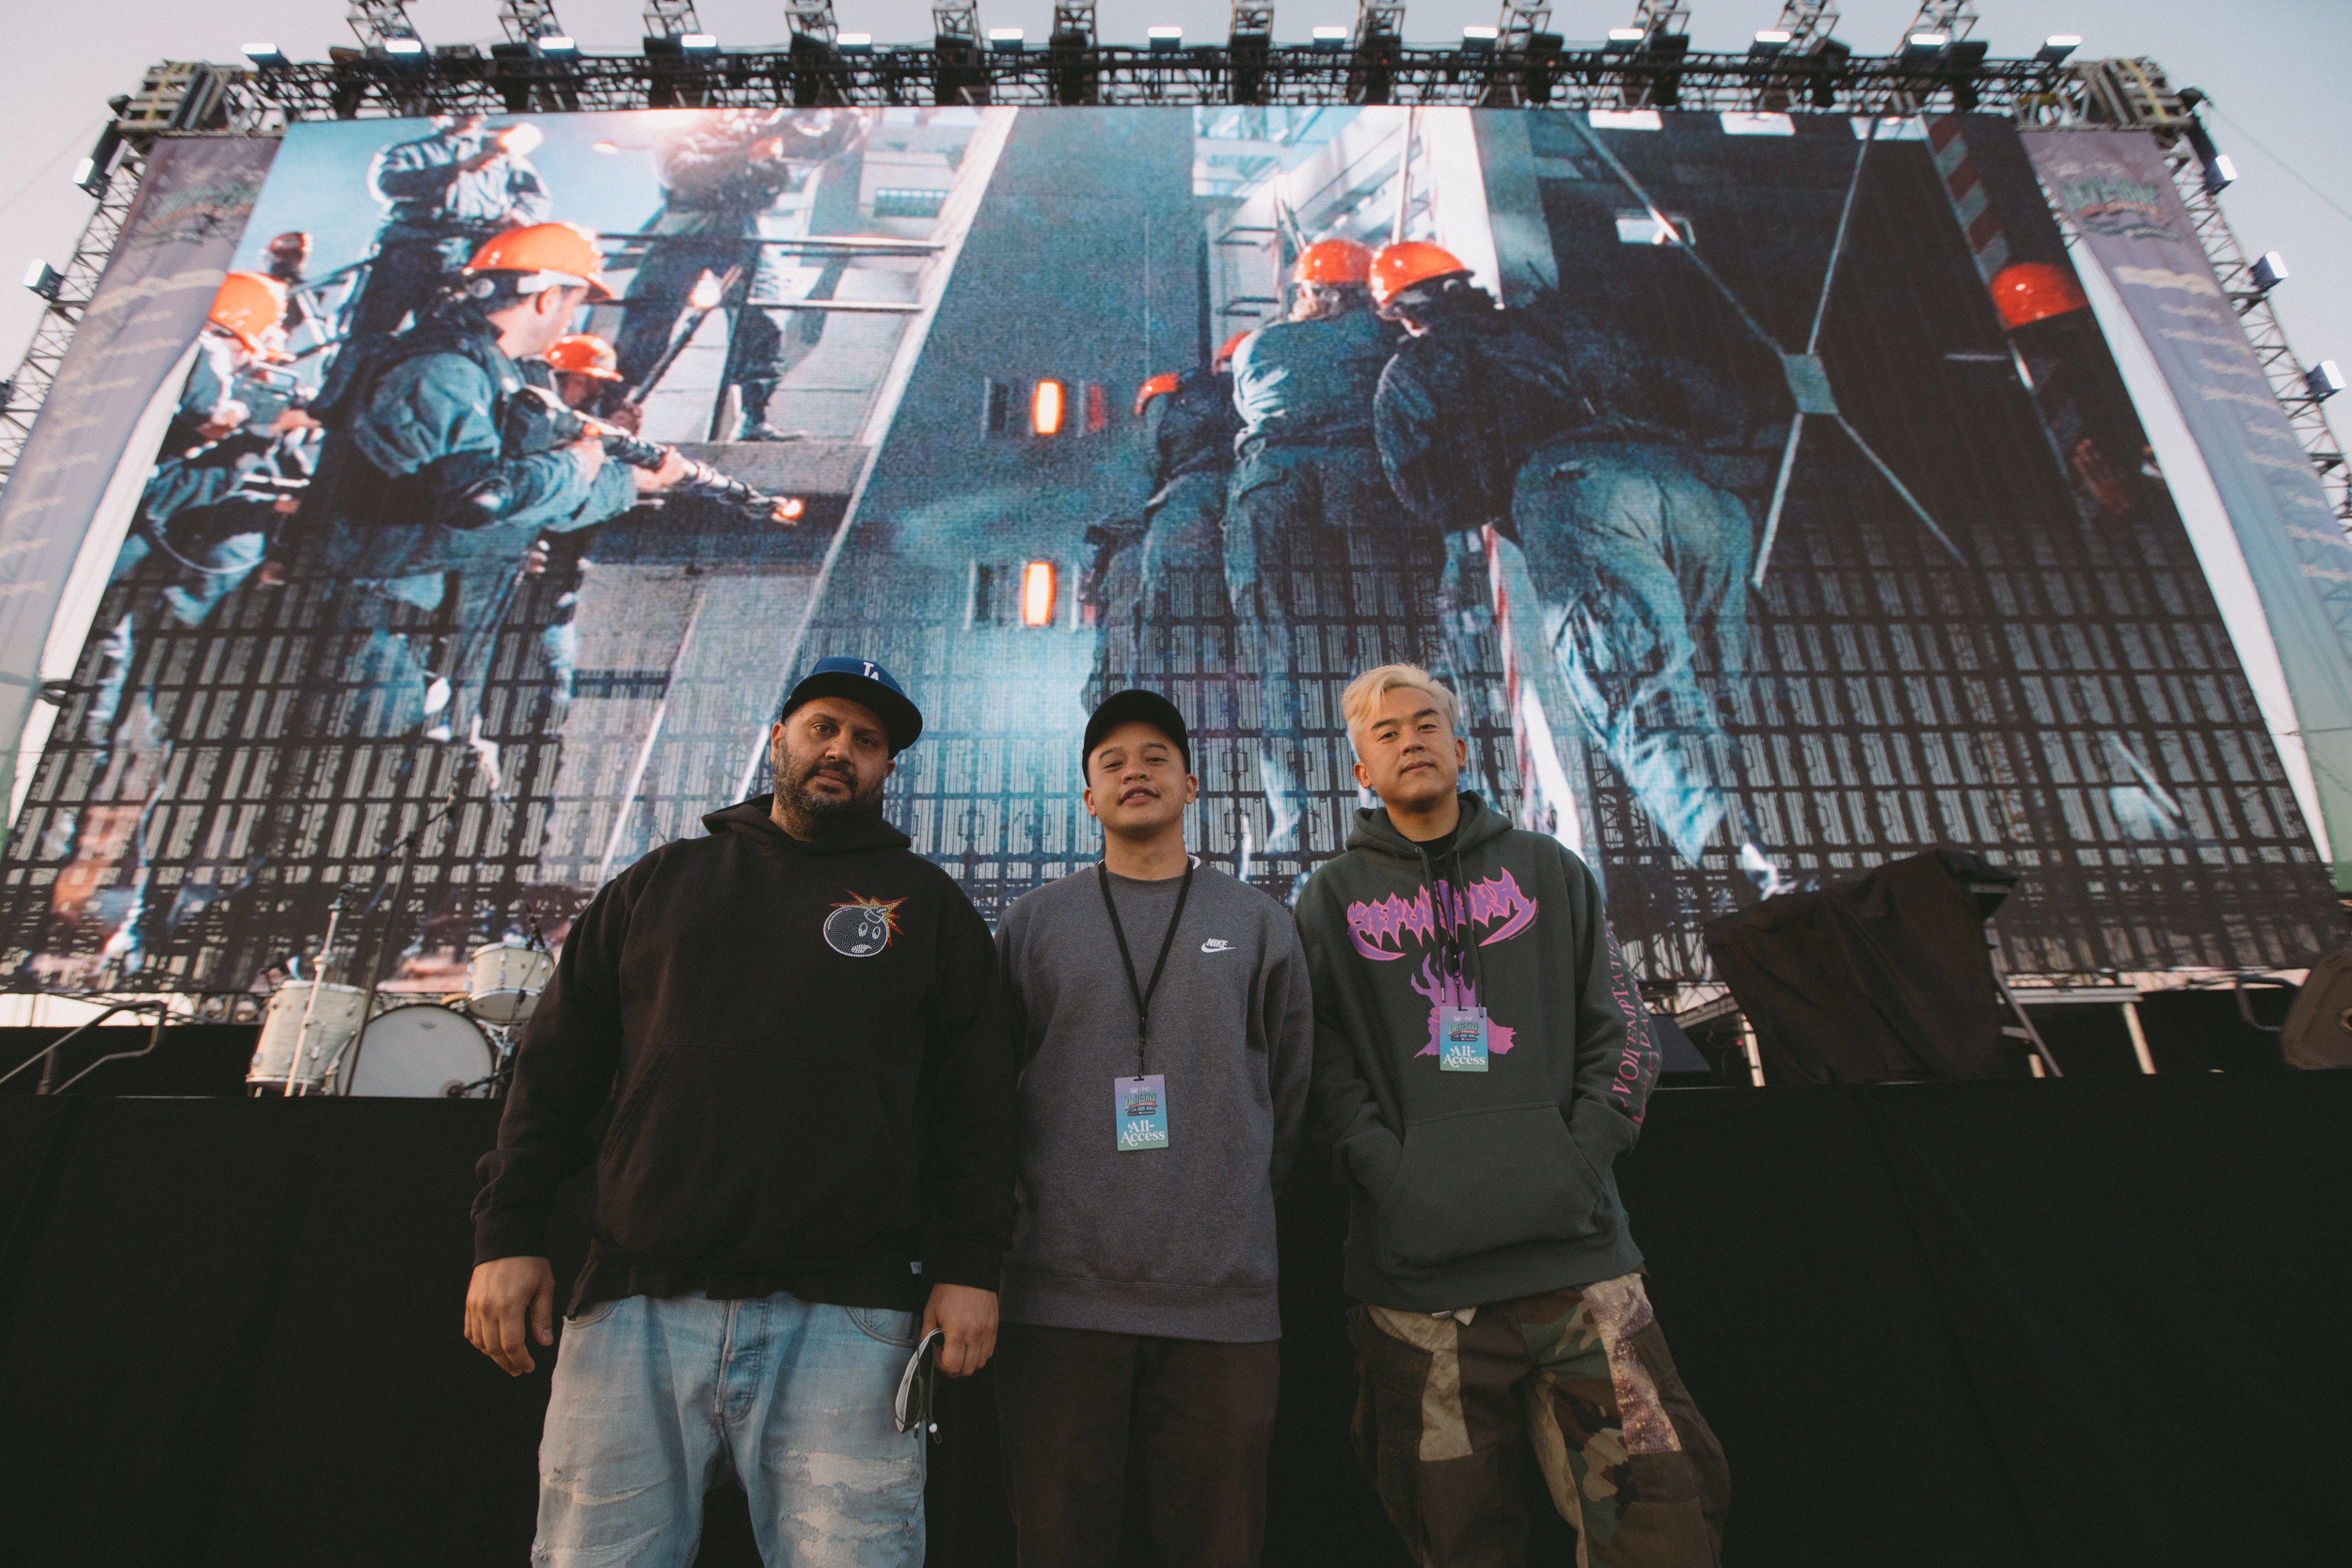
(1216, 944)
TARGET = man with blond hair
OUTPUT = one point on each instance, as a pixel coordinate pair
(1482, 1058)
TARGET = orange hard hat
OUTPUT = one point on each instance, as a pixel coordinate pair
(1226, 350)
(1332, 261)
(1400, 266)
(565, 249)
(245, 307)
(2035, 290)
(1159, 385)
(585, 354)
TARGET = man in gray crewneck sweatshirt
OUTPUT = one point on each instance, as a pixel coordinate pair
(1163, 1013)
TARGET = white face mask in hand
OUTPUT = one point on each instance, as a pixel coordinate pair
(912, 1408)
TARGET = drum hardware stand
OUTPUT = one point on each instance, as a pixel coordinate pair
(407, 851)
(47, 1054)
(309, 1003)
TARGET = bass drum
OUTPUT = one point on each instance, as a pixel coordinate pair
(419, 1051)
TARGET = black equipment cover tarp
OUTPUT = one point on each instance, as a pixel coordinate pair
(2054, 1324)
(1883, 978)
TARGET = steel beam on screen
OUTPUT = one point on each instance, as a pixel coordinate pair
(1807, 377)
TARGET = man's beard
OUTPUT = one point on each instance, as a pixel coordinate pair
(823, 813)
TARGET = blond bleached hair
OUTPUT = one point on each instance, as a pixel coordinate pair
(1361, 698)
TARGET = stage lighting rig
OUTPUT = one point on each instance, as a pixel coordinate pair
(813, 18)
(526, 22)
(384, 25)
(2057, 47)
(2268, 270)
(44, 280)
(2323, 380)
(266, 56)
(2218, 171)
(1379, 28)
(98, 168)
(1659, 35)
(1070, 75)
(961, 77)
(1248, 38)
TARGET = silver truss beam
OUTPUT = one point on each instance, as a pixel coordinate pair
(526, 19)
(1382, 20)
(1807, 22)
(671, 19)
(1661, 16)
(1953, 19)
(957, 19)
(1251, 21)
(813, 18)
(1518, 26)
(378, 21)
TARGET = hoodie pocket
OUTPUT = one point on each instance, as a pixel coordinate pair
(1480, 1180)
(746, 1157)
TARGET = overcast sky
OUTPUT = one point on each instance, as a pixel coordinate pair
(2275, 70)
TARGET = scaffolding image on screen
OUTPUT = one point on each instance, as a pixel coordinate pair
(1761, 483)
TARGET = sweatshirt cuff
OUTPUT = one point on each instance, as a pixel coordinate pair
(961, 1260)
(510, 1233)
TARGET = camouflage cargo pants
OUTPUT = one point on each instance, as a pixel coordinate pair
(1445, 1410)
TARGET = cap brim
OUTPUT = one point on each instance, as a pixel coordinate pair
(1136, 706)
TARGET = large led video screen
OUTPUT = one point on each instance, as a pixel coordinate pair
(1763, 487)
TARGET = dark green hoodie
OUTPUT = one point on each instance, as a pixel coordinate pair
(1473, 1187)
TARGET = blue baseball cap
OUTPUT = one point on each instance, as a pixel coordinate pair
(861, 680)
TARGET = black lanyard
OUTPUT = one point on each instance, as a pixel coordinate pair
(1142, 994)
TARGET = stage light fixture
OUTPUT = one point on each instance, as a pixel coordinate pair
(1330, 40)
(1004, 41)
(404, 48)
(1770, 43)
(699, 43)
(2057, 47)
(1481, 40)
(264, 54)
(1624, 40)
(1922, 48)
(855, 43)
(1037, 594)
(2323, 380)
(1045, 408)
(1164, 38)
(44, 280)
(2269, 271)
(93, 171)
(556, 46)
(2220, 174)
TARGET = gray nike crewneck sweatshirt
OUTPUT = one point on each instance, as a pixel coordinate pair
(1175, 1241)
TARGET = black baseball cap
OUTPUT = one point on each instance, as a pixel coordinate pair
(1136, 706)
(861, 680)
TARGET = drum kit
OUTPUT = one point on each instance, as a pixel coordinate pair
(322, 1039)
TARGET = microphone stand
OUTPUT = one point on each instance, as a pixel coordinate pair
(406, 849)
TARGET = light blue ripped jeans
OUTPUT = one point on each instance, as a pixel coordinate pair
(653, 1397)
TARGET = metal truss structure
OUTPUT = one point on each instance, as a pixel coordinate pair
(2135, 94)
(1523, 65)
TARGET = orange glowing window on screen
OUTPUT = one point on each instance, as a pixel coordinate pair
(1036, 593)
(1046, 409)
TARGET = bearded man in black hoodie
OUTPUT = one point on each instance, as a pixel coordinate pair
(809, 1165)
(1482, 1060)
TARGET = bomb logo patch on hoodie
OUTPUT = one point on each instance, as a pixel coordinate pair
(863, 927)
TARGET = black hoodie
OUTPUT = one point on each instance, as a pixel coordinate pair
(1467, 1188)
(813, 1077)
